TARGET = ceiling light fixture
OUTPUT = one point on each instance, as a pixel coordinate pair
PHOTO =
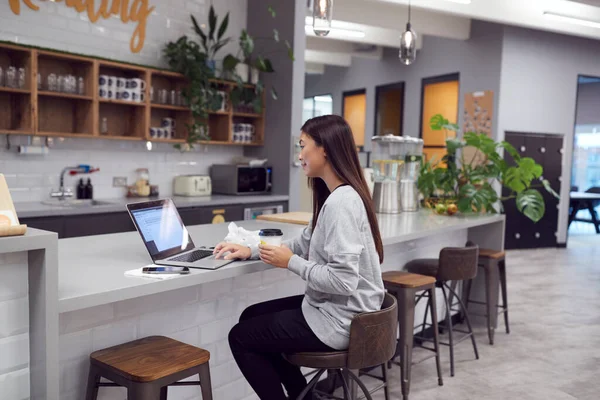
(572, 20)
(335, 30)
(408, 43)
(322, 16)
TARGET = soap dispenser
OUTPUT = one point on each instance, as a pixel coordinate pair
(81, 190)
(89, 190)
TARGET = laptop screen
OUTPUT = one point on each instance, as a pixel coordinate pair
(161, 228)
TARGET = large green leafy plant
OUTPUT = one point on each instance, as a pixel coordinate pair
(196, 62)
(469, 181)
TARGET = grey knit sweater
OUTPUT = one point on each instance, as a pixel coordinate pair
(340, 265)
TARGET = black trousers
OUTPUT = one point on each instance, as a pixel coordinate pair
(265, 331)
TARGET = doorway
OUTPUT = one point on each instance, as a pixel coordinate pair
(584, 198)
(389, 109)
(439, 95)
(354, 111)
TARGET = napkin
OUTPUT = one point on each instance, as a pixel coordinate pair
(137, 273)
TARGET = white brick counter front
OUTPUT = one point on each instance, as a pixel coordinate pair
(99, 307)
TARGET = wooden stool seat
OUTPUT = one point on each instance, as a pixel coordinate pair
(493, 254)
(407, 280)
(147, 367)
(150, 359)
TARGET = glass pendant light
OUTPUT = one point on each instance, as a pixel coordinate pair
(322, 16)
(408, 43)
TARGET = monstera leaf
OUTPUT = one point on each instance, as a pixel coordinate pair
(531, 203)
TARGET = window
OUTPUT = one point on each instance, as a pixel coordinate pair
(389, 109)
(316, 106)
(439, 95)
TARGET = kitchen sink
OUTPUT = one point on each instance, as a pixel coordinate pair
(76, 203)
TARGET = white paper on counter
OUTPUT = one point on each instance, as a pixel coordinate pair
(137, 273)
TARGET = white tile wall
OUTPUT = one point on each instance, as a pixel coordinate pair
(55, 26)
(14, 327)
(203, 321)
(31, 178)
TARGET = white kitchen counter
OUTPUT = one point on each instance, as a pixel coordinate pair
(91, 269)
(33, 209)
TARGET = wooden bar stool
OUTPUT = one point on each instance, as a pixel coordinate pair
(146, 367)
(453, 264)
(405, 286)
(493, 263)
(372, 343)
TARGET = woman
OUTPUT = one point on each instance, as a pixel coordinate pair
(338, 255)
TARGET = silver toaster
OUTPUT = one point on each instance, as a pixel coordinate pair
(192, 185)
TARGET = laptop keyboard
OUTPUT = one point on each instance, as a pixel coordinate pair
(193, 256)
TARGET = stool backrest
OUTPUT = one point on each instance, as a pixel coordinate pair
(458, 263)
(373, 336)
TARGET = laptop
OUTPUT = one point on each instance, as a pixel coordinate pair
(166, 237)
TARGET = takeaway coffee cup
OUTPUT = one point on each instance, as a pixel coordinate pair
(271, 237)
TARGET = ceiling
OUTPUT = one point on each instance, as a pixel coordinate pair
(380, 23)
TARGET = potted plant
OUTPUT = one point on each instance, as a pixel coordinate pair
(245, 66)
(214, 40)
(186, 57)
(467, 184)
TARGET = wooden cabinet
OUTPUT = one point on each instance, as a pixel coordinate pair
(41, 110)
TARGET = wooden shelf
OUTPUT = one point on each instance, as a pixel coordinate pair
(247, 115)
(64, 95)
(66, 135)
(14, 90)
(16, 132)
(122, 102)
(167, 140)
(56, 114)
(169, 107)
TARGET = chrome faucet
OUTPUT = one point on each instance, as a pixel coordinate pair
(63, 192)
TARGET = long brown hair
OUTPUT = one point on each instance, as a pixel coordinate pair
(333, 133)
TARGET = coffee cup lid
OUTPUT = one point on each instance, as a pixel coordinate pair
(270, 232)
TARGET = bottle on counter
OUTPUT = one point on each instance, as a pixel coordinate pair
(89, 190)
(81, 192)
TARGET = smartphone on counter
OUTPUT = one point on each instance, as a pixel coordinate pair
(166, 270)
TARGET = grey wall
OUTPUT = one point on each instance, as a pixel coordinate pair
(539, 88)
(284, 115)
(588, 104)
(478, 60)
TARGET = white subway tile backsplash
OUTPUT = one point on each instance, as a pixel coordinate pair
(163, 322)
(233, 391)
(73, 374)
(14, 317)
(189, 336)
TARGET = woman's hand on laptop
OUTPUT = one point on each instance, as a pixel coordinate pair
(235, 251)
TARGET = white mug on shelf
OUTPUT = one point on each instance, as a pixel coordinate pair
(120, 87)
(136, 83)
(104, 81)
(135, 95)
(106, 93)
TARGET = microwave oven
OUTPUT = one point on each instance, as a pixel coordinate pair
(240, 179)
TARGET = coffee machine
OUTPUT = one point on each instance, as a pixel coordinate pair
(409, 193)
(389, 153)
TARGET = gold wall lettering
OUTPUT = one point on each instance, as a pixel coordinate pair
(139, 12)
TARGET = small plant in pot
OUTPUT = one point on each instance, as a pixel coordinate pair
(213, 40)
(466, 183)
(244, 67)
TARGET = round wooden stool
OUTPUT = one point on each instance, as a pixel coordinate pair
(146, 367)
(493, 263)
(405, 286)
